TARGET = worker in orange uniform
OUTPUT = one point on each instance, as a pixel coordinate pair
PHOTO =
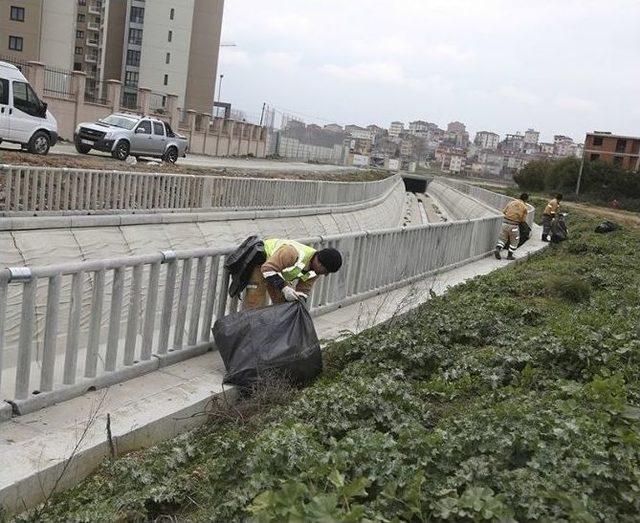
(514, 214)
(290, 270)
(548, 215)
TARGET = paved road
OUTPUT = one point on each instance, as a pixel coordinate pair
(198, 160)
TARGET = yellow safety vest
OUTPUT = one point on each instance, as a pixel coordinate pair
(296, 271)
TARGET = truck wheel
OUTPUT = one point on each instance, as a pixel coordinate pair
(121, 151)
(171, 156)
(39, 143)
(82, 148)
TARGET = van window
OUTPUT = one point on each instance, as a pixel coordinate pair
(25, 99)
(145, 126)
(158, 128)
(4, 91)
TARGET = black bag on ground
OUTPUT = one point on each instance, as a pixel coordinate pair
(607, 226)
(278, 340)
(240, 263)
(525, 233)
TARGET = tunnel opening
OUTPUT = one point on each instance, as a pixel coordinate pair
(414, 185)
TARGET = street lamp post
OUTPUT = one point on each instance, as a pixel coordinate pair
(219, 90)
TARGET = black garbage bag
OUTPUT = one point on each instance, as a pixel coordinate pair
(273, 341)
(525, 233)
(607, 226)
(559, 232)
(240, 263)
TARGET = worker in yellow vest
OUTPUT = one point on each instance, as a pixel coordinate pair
(290, 270)
(548, 215)
(514, 214)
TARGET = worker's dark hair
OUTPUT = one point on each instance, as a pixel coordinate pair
(331, 259)
(524, 196)
(559, 196)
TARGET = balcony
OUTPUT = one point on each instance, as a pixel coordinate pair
(93, 26)
(92, 42)
(91, 58)
(94, 9)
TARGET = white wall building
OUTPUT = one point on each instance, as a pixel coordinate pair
(531, 136)
(396, 129)
(487, 140)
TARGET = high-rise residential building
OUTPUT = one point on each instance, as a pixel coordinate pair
(531, 136)
(487, 140)
(396, 129)
(622, 151)
(168, 46)
(418, 127)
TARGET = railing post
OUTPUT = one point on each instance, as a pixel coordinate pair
(114, 89)
(35, 75)
(144, 100)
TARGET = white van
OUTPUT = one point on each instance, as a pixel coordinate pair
(24, 118)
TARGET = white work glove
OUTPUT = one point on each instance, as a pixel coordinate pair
(290, 294)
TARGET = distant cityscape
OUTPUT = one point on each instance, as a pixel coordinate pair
(419, 144)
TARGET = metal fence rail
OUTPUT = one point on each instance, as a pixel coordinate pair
(36, 189)
(126, 317)
(492, 199)
(58, 82)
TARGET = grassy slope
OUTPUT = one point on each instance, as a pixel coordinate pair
(513, 397)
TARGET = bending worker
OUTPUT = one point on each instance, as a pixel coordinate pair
(289, 272)
(514, 213)
(548, 215)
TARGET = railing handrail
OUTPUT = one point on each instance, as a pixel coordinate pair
(125, 316)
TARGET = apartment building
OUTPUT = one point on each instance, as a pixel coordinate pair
(168, 46)
(396, 129)
(38, 30)
(531, 136)
(622, 151)
(487, 140)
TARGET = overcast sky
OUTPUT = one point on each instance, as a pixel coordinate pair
(559, 66)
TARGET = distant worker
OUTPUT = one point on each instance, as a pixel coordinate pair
(288, 262)
(548, 215)
(514, 213)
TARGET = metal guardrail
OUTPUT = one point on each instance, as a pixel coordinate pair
(130, 316)
(492, 199)
(37, 189)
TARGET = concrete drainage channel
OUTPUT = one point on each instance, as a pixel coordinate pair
(35, 447)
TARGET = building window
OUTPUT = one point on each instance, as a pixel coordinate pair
(135, 36)
(166, 79)
(133, 58)
(137, 14)
(617, 161)
(17, 13)
(621, 145)
(78, 50)
(15, 43)
(168, 58)
(597, 141)
(82, 2)
(131, 79)
(77, 66)
(594, 157)
(170, 36)
(81, 17)
(172, 13)
(79, 34)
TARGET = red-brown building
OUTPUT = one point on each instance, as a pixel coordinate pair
(623, 151)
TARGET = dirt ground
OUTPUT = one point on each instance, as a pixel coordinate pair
(103, 162)
(622, 217)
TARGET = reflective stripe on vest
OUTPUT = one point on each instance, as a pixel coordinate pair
(295, 272)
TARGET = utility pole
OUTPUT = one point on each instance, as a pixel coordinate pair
(219, 92)
(264, 105)
(580, 175)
